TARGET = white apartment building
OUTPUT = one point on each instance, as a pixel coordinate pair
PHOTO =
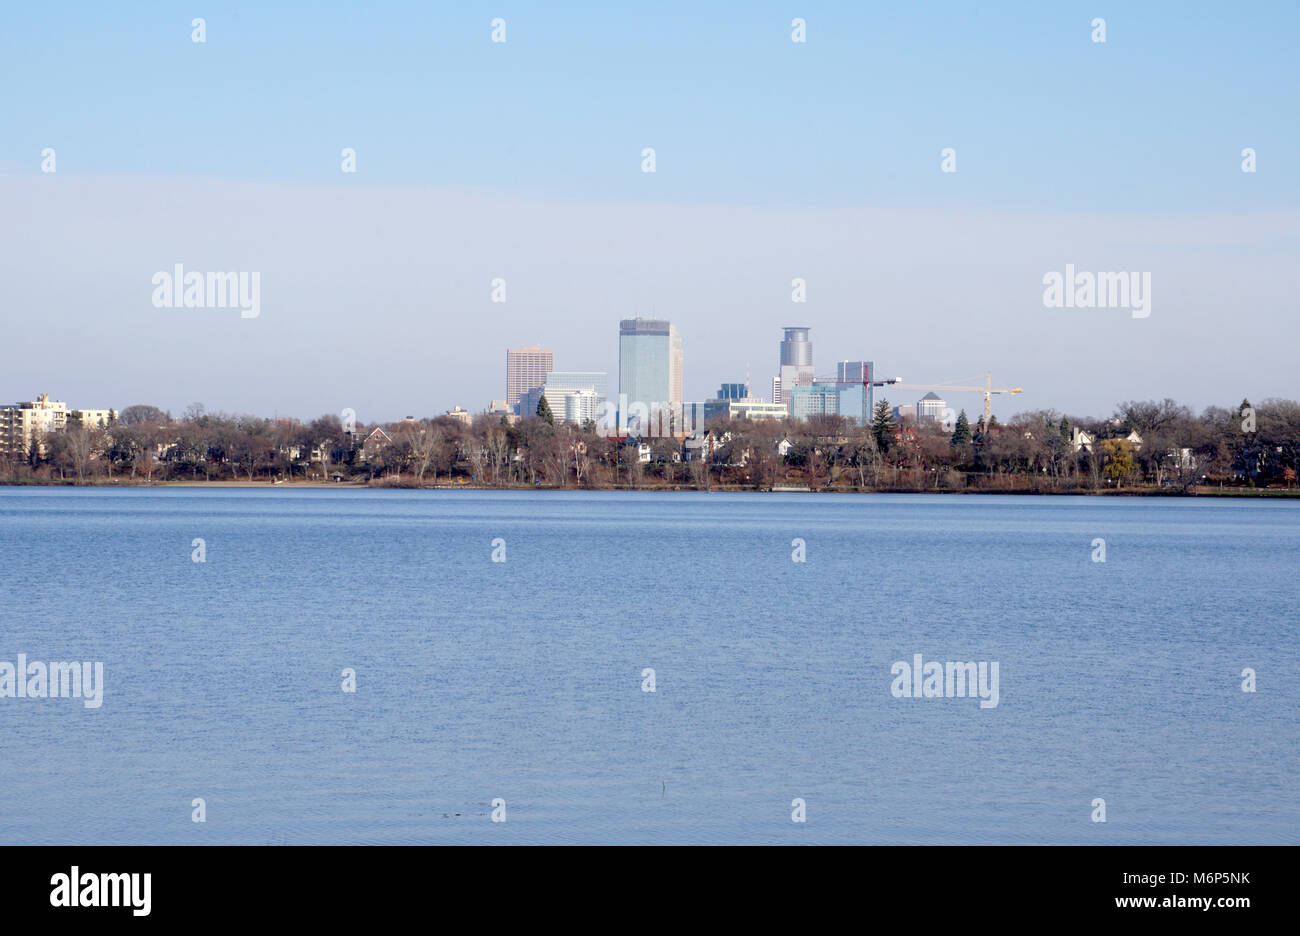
(24, 422)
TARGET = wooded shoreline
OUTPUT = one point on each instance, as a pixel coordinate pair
(389, 484)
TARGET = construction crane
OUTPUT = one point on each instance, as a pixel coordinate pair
(988, 390)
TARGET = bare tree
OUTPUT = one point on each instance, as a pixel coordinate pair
(422, 444)
(477, 456)
(498, 447)
(83, 443)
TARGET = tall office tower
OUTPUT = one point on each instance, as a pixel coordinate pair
(649, 362)
(857, 397)
(796, 361)
(796, 347)
(852, 371)
(675, 365)
(526, 369)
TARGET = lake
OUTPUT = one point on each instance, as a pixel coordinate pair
(524, 680)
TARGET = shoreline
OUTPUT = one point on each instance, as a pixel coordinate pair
(1282, 493)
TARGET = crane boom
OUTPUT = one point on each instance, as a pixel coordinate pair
(988, 390)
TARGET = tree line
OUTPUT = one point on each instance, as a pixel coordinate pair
(1142, 445)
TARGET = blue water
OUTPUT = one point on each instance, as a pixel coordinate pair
(523, 680)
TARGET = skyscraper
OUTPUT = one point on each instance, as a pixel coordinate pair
(526, 369)
(649, 362)
(852, 371)
(856, 394)
(796, 363)
(796, 346)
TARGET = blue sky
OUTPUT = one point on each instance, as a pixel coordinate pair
(1144, 130)
(1039, 114)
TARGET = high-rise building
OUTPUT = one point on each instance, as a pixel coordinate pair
(30, 421)
(649, 362)
(526, 369)
(596, 381)
(850, 399)
(796, 363)
(857, 397)
(20, 422)
(559, 386)
(796, 346)
(853, 371)
(733, 391)
(580, 406)
(930, 408)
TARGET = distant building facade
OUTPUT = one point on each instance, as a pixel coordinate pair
(580, 406)
(905, 414)
(744, 408)
(526, 369)
(930, 408)
(852, 400)
(796, 368)
(649, 362)
(589, 388)
(30, 421)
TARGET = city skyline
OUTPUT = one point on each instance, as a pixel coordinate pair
(360, 311)
(390, 288)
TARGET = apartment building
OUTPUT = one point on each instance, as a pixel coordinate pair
(30, 421)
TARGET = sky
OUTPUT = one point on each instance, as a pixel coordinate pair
(523, 161)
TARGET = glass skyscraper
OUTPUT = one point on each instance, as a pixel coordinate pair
(796, 364)
(796, 347)
(649, 362)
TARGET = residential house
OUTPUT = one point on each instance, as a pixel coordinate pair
(374, 444)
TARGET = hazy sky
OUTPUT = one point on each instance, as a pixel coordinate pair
(522, 160)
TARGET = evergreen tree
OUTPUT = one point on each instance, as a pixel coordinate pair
(883, 425)
(544, 411)
(961, 435)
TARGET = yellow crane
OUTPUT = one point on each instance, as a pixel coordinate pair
(988, 390)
